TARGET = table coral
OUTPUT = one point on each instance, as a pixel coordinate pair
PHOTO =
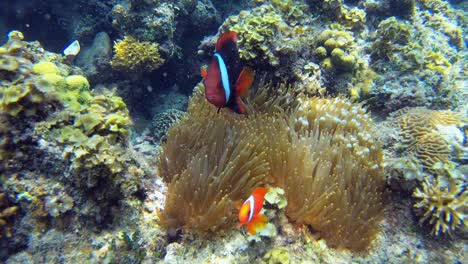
(132, 55)
(444, 208)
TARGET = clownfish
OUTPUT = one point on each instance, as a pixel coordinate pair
(249, 212)
(226, 81)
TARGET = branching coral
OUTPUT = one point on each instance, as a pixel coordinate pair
(132, 55)
(322, 154)
(444, 208)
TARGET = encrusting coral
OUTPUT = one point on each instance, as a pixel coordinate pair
(300, 149)
(133, 55)
(444, 208)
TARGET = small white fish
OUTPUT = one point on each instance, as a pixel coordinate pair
(73, 49)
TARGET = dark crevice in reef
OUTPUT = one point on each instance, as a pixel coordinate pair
(36, 23)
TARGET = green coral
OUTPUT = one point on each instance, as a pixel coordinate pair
(91, 141)
(445, 208)
(423, 52)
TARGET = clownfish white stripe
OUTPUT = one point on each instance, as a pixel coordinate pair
(224, 76)
(252, 207)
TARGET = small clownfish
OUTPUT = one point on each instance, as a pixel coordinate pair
(226, 81)
(249, 212)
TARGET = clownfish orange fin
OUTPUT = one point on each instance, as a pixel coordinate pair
(204, 72)
(244, 81)
(226, 39)
(258, 222)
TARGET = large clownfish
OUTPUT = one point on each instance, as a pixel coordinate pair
(249, 212)
(226, 81)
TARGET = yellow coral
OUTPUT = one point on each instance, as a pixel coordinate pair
(44, 67)
(77, 82)
(133, 55)
(444, 208)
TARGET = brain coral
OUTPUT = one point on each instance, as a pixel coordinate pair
(321, 153)
(433, 136)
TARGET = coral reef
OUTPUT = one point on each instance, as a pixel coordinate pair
(77, 139)
(444, 208)
(133, 56)
(81, 181)
(256, 30)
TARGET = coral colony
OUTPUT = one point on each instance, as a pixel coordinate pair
(262, 131)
